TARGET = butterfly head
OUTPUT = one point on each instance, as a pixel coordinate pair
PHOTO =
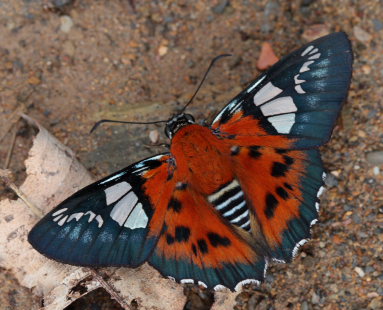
(177, 122)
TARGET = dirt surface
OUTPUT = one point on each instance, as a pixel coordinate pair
(71, 65)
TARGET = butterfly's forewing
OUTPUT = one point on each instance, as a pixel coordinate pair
(296, 102)
(108, 223)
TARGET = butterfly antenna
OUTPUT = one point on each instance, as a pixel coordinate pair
(204, 77)
(121, 122)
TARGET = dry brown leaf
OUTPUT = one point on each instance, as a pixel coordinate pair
(53, 173)
(224, 300)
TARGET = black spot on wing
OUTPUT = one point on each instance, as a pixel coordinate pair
(281, 151)
(170, 176)
(254, 152)
(288, 186)
(169, 239)
(279, 169)
(282, 193)
(288, 160)
(202, 245)
(175, 205)
(194, 249)
(181, 186)
(271, 205)
(182, 234)
(216, 240)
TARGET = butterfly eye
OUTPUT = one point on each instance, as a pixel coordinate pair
(190, 118)
(168, 132)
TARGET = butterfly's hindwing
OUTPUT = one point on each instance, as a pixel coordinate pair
(197, 246)
(282, 188)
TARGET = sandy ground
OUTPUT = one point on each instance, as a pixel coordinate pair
(69, 66)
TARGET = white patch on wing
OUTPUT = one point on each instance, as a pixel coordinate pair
(297, 80)
(115, 192)
(76, 216)
(57, 218)
(305, 66)
(63, 220)
(298, 245)
(202, 284)
(255, 84)
(320, 192)
(308, 49)
(137, 219)
(317, 206)
(315, 56)
(267, 92)
(187, 281)
(313, 222)
(266, 266)
(219, 287)
(313, 51)
(99, 220)
(279, 106)
(123, 208)
(299, 89)
(282, 123)
(59, 211)
(91, 216)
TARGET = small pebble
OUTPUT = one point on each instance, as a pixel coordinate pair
(378, 24)
(331, 180)
(315, 299)
(61, 3)
(376, 303)
(359, 271)
(34, 80)
(376, 170)
(304, 305)
(220, 7)
(154, 136)
(68, 48)
(315, 31)
(66, 23)
(375, 157)
(361, 35)
(162, 50)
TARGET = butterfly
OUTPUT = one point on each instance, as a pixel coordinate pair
(229, 197)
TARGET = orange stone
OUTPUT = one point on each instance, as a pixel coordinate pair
(267, 57)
